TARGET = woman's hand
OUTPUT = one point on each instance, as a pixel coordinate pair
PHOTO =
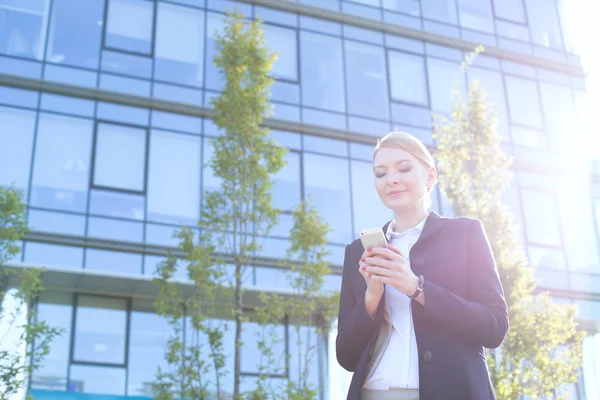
(388, 265)
(374, 290)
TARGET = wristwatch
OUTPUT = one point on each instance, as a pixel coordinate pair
(419, 287)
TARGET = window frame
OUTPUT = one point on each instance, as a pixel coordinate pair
(94, 150)
(150, 54)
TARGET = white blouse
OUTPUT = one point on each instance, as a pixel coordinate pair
(399, 365)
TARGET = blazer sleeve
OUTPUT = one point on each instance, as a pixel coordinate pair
(355, 327)
(483, 318)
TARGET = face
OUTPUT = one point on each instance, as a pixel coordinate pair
(401, 179)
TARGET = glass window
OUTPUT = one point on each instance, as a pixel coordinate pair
(97, 380)
(286, 185)
(326, 180)
(285, 42)
(56, 222)
(61, 170)
(178, 60)
(299, 340)
(476, 14)
(368, 210)
(543, 23)
(440, 10)
(147, 347)
(115, 229)
(23, 30)
(410, 7)
(79, 20)
(491, 82)
(541, 218)
(174, 178)
(52, 374)
(523, 102)
(510, 9)
(120, 157)
(16, 137)
(113, 261)
(411, 115)
(591, 366)
(559, 113)
(121, 33)
(322, 73)
(100, 330)
(442, 78)
(51, 255)
(366, 78)
(407, 78)
(215, 24)
(251, 358)
(117, 204)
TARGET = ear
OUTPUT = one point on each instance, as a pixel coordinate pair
(431, 177)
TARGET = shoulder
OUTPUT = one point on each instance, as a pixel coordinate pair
(460, 223)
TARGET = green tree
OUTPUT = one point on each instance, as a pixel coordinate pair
(233, 218)
(542, 351)
(309, 309)
(20, 326)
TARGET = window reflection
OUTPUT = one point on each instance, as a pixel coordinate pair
(174, 168)
(120, 157)
(62, 161)
(442, 78)
(252, 358)
(99, 332)
(440, 10)
(51, 255)
(97, 380)
(75, 19)
(215, 24)
(178, 60)
(523, 102)
(326, 180)
(285, 42)
(541, 219)
(322, 73)
(121, 33)
(22, 27)
(559, 113)
(366, 80)
(476, 14)
(52, 374)
(113, 261)
(286, 186)
(543, 23)
(16, 137)
(491, 82)
(407, 78)
(368, 210)
(510, 9)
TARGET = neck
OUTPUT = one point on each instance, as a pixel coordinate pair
(409, 218)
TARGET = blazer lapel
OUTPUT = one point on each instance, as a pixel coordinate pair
(433, 223)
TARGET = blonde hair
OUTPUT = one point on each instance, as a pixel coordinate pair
(413, 146)
(408, 143)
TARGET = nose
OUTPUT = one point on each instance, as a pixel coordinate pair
(392, 177)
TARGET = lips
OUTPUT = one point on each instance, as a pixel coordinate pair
(396, 192)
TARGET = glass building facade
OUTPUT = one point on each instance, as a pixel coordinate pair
(103, 116)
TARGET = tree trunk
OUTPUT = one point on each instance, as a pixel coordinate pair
(238, 330)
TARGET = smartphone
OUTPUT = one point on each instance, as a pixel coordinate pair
(373, 238)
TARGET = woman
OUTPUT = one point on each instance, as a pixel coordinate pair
(414, 317)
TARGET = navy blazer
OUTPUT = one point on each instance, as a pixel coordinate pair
(464, 312)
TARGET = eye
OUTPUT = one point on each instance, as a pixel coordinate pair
(379, 174)
(405, 169)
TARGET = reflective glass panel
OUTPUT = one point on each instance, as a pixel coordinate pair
(122, 33)
(252, 358)
(286, 185)
(491, 82)
(174, 167)
(16, 138)
(100, 330)
(523, 102)
(326, 180)
(53, 255)
(440, 10)
(178, 60)
(559, 113)
(284, 41)
(408, 81)
(120, 158)
(366, 78)
(97, 380)
(22, 30)
(541, 219)
(476, 14)
(80, 20)
(510, 9)
(442, 77)
(61, 170)
(322, 73)
(543, 23)
(368, 210)
(214, 25)
(52, 374)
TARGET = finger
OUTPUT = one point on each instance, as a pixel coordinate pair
(382, 279)
(380, 262)
(385, 252)
(372, 250)
(379, 271)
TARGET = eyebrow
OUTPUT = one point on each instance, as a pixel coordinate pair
(397, 162)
